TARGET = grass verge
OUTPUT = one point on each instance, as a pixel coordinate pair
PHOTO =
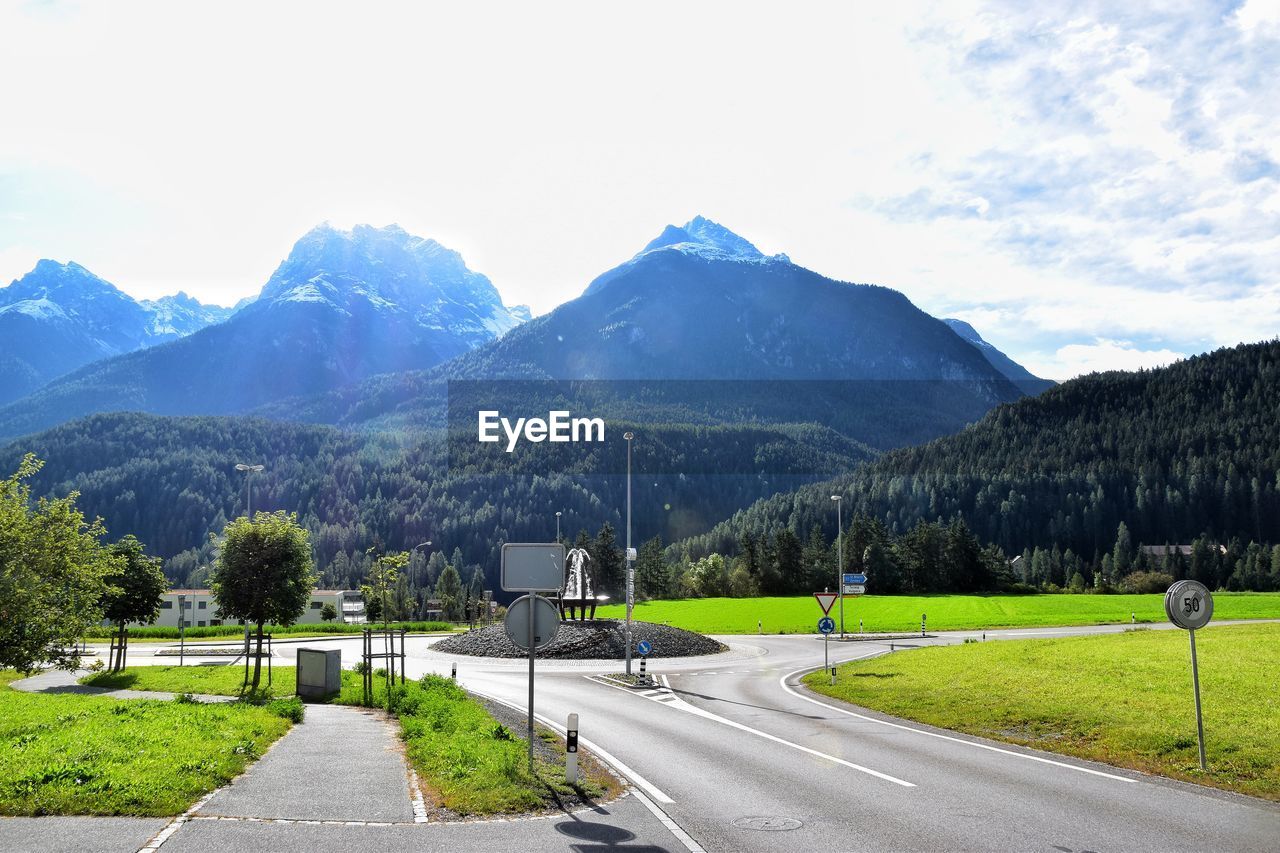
(1124, 699)
(901, 613)
(472, 764)
(65, 754)
(210, 680)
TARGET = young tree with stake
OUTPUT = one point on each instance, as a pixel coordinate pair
(264, 573)
(135, 588)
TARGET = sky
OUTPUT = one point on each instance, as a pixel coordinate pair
(1092, 186)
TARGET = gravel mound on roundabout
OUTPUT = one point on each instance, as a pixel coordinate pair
(600, 639)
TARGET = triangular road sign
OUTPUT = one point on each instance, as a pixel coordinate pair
(825, 600)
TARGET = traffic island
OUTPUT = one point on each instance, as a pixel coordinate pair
(600, 639)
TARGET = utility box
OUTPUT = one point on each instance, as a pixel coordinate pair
(319, 673)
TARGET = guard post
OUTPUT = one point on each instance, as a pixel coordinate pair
(571, 750)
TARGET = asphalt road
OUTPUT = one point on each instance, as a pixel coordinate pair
(740, 757)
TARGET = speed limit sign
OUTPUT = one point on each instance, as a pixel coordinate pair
(1188, 605)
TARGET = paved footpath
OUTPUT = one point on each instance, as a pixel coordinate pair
(337, 782)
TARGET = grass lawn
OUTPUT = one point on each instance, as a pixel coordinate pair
(901, 613)
(1124, 699)
(67, 754)
(216, 680)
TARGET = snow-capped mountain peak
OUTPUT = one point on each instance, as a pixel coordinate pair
(389, 269)
(701, 236)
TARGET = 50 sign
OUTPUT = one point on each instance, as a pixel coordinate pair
(1189, 605)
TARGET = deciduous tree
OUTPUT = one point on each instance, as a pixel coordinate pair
(264, 573)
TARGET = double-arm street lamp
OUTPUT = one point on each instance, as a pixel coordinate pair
(249, 471)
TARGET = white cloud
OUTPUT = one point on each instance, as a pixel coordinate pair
(1102, 355)
(1062, 173)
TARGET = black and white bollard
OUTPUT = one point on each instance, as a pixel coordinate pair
(644, 679)
(922, 615)
(571, 750)
(454, 674)
(859, 626)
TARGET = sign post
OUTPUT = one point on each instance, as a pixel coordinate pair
(532, 621)
(1189, 605)
(826, 625)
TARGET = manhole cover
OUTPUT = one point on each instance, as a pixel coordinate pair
(767, 824)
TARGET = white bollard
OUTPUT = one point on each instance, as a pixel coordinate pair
(571, 751)
(454, 674)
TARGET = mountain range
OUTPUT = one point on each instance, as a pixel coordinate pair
(59, 317)
(744, 374)
(343, 306)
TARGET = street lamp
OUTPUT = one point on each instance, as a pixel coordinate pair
(557, 526)
(249, 471)
(426, 544)
(840, 560)
(630, 566)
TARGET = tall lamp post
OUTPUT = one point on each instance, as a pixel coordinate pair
(249, 471)
(426, 544)
(840, 560)
(630, 566)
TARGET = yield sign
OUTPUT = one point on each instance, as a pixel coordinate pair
(825, 600)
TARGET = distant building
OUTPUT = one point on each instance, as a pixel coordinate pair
(201, 609)
(1160, 553)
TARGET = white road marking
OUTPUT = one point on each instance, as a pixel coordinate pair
(674, 828)
(640, 782)
(783, 684)
(680, 704)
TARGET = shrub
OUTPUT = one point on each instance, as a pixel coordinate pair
(1147, 582)
(290, 709)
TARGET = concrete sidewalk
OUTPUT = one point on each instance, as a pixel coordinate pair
(342, 763)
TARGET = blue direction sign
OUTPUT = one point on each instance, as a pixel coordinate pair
(644, 647)
(855, 578)
(826, 624)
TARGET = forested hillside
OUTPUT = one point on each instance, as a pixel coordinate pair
(1175, 453)
(172, 482)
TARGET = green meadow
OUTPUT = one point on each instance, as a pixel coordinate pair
(1124, 699)
(901, 613)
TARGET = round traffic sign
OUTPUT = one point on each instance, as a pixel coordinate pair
(644, 647)
(546, 621)
(826, 624)
(1189, 605)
